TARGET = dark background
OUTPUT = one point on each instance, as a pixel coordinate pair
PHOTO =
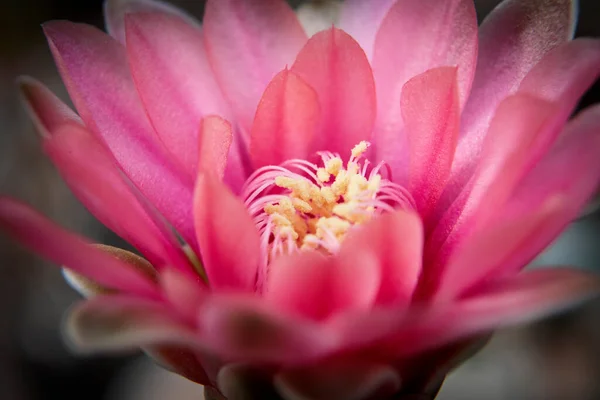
(555, 359)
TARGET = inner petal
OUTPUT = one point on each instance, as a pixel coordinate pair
(300, 205)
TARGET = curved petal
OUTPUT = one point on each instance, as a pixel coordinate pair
(117, 323)
(179, 360)
(248, 329)
(64, 248)
(362, 18)
(396, 239)
(486, 253)
(286, 121)
(335, 66)
(175, 82)
(522, 127)
(340, 381)
(46, 110)
(513, 38)
(431, 112)
(183, 293)
(414, 37)
(98, 183)
(115, 11)
(216, 136)
(311, 285)
(94, 68)
(228, 238)
(248, 42)
(571, 171)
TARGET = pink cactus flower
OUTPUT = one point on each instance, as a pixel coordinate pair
(340, 217)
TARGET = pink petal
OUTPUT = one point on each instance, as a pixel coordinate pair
(248, 329)
(215, 142)
(414, 37)
(361, 19)
(513, 38)
(98, 183)
(94, 68)
(396, 240)
(337, 68)
(179, 360)
(430, 111)
(248, 43)
(115, 11)
(527, 297)
(487, 251)
(64, 248)
(228, 238)
(184, 294)
(285, 122)
(571, 171)
(45, 109)
(523, 127)
(311, 285)
(176, 83)
(117, 323)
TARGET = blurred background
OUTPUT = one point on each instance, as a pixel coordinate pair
(554, 359)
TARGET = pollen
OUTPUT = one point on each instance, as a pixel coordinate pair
(299, 205)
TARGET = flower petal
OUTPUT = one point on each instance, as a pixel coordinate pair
(184, 294)
(248, 42)
(341, 381)
(571, 170)
(98, 183)
(175, 83)
(396, 239)
(285, 122)
(248, 329)
(228, 238)
(116, 323)
(513, 38)
(179, 360)
(64, 248)
(215, 142)
(414, 37)
(311, 285)
(523, 126)
(115, 11)
(362, 19)
(485, 253)
(335, 66)
(431, 113)
(94, 68)
(45, 109)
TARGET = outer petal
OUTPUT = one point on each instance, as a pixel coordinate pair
(64, 248)
(115, 11)
(95, 71)
(285, 122)
(571, 171)
(45, 109)
(337, 68)
(228, 238)
(488, 251)
(430, 110)
(513, 38)
(183, 293)
(396, 239)
(175, 82)
(116, 323)
(414, 37)
(523, 126)
(216, 137)
(518, 299)
(362, 19)
(248, 329)
(248, 42)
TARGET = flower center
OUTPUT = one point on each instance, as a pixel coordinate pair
(299, 205)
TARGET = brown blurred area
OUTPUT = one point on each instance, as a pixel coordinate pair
(555, 359)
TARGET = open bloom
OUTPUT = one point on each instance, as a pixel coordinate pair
(333, 217)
